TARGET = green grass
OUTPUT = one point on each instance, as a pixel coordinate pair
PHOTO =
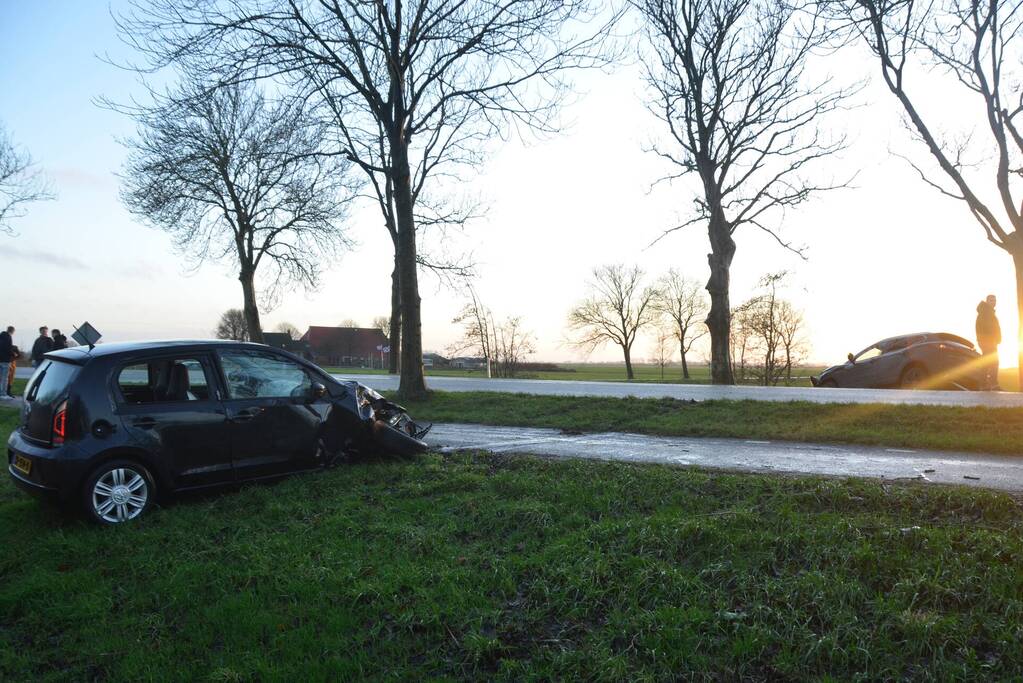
(478, 567)
(984, 430)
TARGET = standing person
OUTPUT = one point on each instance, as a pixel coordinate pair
(6, 356)
(42, 346)
(12, 369)
(59, 340)
(989, 336)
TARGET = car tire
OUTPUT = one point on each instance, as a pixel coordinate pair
(118, 491)
(394, 441)
(828, 384)
(913, 376)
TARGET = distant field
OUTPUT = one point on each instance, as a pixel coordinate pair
(615, 372)
(602, 372)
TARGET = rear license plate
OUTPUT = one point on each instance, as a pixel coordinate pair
(22, 464)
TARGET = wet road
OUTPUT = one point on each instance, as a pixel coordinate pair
(989, 471)
(702, 392)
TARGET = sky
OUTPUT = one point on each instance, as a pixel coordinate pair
(887, 256)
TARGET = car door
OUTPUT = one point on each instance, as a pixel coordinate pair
(171, 407)
(861, 373)
(275, 421)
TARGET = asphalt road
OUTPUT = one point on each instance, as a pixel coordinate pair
(702, 392)
(989, 471)
(698, 392)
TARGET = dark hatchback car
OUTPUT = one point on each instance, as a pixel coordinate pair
(115, 426)
(927, 360)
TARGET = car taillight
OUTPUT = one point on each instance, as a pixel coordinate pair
(60, 424)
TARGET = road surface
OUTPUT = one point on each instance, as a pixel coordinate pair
(703, 392)
(698, 392)
(989, 471)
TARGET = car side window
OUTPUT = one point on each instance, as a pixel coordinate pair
(872, 352)
(164, 380)
(251, 374)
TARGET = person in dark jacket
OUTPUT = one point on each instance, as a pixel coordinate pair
(43, 345)
(989, 336)
(59, 340)
(6, 356)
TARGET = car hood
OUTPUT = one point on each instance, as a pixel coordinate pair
(829, 371)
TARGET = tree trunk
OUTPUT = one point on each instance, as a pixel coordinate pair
(1017, 259)
(394, 340)
(628, 362)
(685, 365)
(412, 383)
(255, 330)
(720, 317)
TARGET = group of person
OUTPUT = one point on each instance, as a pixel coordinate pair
(11, 354)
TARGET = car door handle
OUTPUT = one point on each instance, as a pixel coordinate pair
(144, 422)
(245, 415)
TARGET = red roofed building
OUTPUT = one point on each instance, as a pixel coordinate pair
(353, 347)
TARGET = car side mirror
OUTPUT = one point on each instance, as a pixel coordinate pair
(317, 390)
(852, 359)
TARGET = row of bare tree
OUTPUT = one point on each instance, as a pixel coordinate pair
(282, 111)
(404, 94)
(730, 83)
(766, 337)
(503, 346)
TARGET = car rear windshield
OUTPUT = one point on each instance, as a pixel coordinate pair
(50, 382)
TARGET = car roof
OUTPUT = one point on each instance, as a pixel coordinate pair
(82, 354)
(926, 336)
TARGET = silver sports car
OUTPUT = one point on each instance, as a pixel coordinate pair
(928, 360)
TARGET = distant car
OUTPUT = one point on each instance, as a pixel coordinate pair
(928, 360)
(115, 426)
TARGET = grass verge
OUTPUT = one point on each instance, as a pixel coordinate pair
(473, 566)
(984, 430)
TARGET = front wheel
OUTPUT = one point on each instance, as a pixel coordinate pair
(828, 384)
(118, 491)
(913, 377)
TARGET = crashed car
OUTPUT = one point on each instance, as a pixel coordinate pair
(115, 426)
(927, 360)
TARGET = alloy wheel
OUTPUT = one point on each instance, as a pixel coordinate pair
(120, 494)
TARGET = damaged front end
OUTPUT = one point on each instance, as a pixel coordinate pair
(362, 421)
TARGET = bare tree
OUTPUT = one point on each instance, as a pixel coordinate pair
(349, 322)
(791, 328)
(742, 340)
(728, 82)
(431, 80)
(977, 46)
(230, 175)
(618, 307)
(288, 329)
(382, 323)
(767, 334)
(681, 301)
(478, 333)
(233, 325)
(663, 340)
(513, 343)
(20, 183)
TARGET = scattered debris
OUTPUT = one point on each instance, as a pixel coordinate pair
(928, 471)
(967, 476)
(909, 529)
